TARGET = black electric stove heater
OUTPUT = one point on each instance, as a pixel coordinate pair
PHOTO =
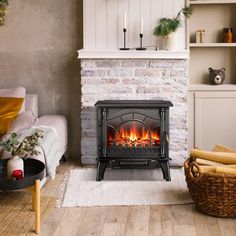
(133, 134)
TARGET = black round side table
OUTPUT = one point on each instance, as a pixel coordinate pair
(33, 173)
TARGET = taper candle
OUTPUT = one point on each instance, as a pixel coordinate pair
(125, 21)
(141, 26)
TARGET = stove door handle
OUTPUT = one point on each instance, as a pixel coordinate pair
(167, 137)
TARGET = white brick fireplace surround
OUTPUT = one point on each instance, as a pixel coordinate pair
(135, 79)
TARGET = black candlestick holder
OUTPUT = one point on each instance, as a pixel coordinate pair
(141, 43)
(124, 48)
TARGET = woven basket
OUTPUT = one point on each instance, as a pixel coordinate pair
(212, 193)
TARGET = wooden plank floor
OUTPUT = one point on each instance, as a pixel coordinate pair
(177, 220)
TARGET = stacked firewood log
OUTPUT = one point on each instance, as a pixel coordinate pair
(221, 159)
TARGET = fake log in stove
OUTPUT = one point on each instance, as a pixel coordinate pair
(133, 134)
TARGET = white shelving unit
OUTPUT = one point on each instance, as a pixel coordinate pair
(209, 105)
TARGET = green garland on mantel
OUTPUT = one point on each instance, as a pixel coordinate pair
(3, 7)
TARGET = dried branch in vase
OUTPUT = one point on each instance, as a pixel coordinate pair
(27, 147)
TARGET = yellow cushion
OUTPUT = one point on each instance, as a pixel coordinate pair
(9, 109)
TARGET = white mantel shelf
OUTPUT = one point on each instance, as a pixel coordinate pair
(132, 54)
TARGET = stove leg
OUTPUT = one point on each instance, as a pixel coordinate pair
(165, 167)
(101, 167)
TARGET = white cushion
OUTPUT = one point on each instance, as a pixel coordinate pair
(14, 93)
(22, 121)
(31, 103)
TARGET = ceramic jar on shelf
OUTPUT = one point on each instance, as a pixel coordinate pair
(228, 35)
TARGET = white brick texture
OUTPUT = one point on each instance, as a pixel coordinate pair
(134, 80)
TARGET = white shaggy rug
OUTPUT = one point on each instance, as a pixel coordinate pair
(125, 188)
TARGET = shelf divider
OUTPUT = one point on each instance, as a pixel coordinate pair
(208, 87)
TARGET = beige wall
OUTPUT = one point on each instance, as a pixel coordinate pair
(38, 51)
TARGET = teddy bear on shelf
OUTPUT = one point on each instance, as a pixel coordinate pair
(216, 77)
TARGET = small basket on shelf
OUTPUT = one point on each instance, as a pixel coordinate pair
(212, 193)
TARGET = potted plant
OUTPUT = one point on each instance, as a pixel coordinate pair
(19, 150)
(167, 27)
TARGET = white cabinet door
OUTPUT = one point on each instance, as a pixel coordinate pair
(215, 119)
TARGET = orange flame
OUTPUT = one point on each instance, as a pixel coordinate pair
(134, 137)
